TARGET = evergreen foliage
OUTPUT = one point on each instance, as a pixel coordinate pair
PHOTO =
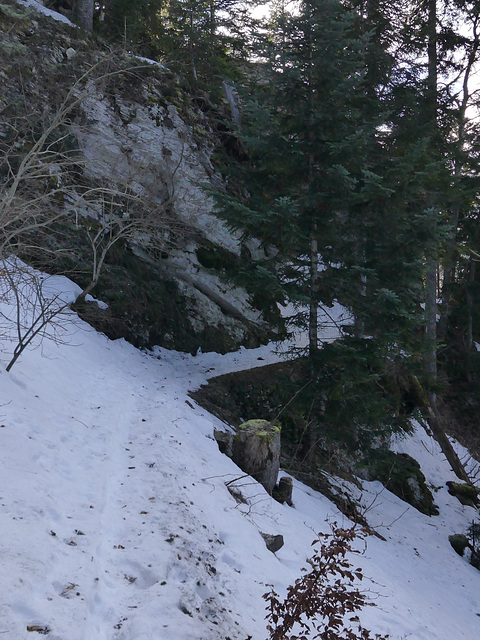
(330, 166)
(203, 39)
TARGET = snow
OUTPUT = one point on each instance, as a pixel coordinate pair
(156, 63)
(117, 523)
(46, 11)
(99, 303)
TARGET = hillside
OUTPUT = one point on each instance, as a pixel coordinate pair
(172, 265)
(117, 522)
(116, 152)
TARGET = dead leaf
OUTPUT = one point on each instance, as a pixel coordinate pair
(43, 629)
(67, 589)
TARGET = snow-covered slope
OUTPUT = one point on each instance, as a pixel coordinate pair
(117, 523)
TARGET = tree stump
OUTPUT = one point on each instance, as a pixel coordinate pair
(256, 450)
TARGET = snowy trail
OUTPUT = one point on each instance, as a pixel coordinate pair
(117, 523)
(90, 461)
(109, 463)
(120, 526)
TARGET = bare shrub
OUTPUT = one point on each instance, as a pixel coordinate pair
(31, 310)
(43, 183)
(43, 177)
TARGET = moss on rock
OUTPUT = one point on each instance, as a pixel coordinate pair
(459, 542)
(401, 475)
(256, 450)
(466, 493)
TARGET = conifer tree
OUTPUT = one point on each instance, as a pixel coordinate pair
(328, 146)
(201, 38)
(335, 186)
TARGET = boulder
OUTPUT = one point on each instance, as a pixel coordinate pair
(282, 492)
(225, 441)
(459, 542)
(273, 542)
(466, 493)
(401, 475)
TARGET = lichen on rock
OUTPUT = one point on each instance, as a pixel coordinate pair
(256, 450)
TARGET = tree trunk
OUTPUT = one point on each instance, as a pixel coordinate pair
(359, 321)
(313, 301)
(313, 316)
(469, 337)
(432, 416)
(450, 261)
(191, 47)
(83, 14)
(448, 278)
(445, 445)
(430, 357)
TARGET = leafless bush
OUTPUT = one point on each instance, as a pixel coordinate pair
(38, 163)
(30, 310)
(42, 173)
(112, 215)
(42, 183)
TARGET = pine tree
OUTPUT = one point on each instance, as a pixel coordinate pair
(334, 186)
(200, 38)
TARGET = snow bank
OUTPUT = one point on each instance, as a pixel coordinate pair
(47, 12)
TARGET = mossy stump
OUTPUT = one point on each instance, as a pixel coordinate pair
(256, 450)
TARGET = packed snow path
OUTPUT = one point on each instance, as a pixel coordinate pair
(98, 527)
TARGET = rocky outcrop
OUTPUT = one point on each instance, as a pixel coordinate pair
(401, 474)
(459, 542)
(144, 145)
(467, 494)
(138, 131)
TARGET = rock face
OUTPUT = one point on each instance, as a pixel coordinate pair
(256, 450)
(146, 144)
(139, 131)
